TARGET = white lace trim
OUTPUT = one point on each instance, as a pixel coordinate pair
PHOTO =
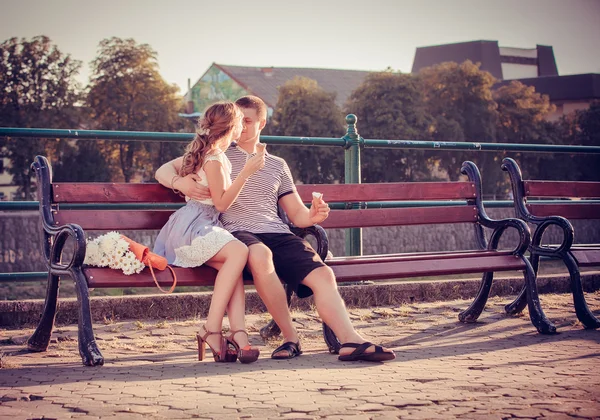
(202, 249)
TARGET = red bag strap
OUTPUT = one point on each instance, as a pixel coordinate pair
(158, 285)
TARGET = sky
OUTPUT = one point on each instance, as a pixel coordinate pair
(189, 36)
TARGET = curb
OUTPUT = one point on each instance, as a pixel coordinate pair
(195, 305)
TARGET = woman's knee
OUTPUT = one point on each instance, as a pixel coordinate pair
(235, 249)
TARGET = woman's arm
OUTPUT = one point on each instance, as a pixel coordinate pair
(222, 195)
(167, 175)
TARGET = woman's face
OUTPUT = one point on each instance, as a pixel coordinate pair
(238, 127)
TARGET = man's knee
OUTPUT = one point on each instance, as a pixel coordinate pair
(321, 278)
(260, 259)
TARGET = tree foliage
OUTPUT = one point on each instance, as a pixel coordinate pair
(37, 90)
(390, 106)
(304, 109)
(588, 134)
(459, 97)
(127, 93)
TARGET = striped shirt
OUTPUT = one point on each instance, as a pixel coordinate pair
(255, 209)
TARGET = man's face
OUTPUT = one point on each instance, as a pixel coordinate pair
(252, 126)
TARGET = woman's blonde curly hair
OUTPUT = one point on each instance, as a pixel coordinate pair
(218, 121)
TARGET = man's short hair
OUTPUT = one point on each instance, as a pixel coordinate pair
(253, 102)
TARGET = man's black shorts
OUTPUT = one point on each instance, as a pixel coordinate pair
(293, 257)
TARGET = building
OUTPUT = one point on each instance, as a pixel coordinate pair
(502, 62)
(533, 67)
(223, 82)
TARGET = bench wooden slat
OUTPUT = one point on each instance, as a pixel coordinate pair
(156, 219)
(107, 277)
(155, 193)
(414, 256)
(586, 256)
(566, 189)
(400, 216)
(115, 219)
(404, 269)
(569, 211)
(391, 191)
(84, 192)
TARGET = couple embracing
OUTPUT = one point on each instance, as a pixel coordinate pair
(231, 222)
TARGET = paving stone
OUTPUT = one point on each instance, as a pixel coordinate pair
(495, 369)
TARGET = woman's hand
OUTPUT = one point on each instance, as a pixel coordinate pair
(253, 164)
(190, 187)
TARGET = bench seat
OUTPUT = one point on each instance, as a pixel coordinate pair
(66, 213)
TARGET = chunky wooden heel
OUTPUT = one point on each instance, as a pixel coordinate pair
(247, 354)
(220, 356)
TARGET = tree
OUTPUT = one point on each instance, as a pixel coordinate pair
(390, 106)
(588, 134)
(126, 92)
(522, 118)
(305, 109)
(459, 96)
(37, 89)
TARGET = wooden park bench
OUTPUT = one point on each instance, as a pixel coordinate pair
(545, 215)
(462, 204)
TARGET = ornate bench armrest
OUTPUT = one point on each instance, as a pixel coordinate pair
(320, 236)
(498, 226)
(542, 223)
(55, 237)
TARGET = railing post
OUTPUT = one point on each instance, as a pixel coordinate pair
(352, 176)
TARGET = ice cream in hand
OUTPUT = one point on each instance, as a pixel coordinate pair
(261, 148)
(317, 196)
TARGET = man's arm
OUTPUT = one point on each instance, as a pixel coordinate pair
(167, 175)
(299, 215)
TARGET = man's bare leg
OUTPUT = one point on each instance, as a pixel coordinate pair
(332, 309)
(270, 289)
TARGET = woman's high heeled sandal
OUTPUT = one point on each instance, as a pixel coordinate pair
(225, 355)
(247, 354)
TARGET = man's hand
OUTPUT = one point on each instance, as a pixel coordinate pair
(189, 186)
(319, 211)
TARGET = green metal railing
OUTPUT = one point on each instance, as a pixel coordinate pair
(351, 142)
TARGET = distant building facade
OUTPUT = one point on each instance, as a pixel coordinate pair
(533, 67)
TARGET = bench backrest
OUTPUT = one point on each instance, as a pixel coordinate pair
(572, 207)
(454, 211)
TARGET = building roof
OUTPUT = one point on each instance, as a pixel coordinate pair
(264, 81)
(489, 55)
(572, 87)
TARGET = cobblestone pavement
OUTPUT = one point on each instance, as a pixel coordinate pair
(495, 369)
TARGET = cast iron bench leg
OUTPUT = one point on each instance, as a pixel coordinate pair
(584, 314)
(536, 314)
(517, 305)
(471, 314)
(40, 339)
(88, 349)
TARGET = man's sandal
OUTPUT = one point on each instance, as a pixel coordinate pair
(379, 355)
(293, 350)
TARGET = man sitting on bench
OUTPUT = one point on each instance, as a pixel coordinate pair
(274, 252)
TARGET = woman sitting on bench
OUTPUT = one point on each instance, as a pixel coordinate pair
(194, 236)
